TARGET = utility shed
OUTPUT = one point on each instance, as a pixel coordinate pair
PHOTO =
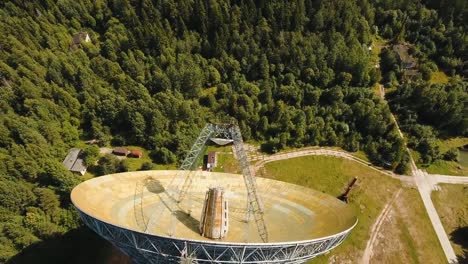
(74, 163)
(120, 151)
(211, 161)
(135, 154)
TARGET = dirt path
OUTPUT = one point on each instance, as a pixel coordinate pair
(376, 228)
(104, 150)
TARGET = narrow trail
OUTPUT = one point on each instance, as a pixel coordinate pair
(376, 228)
(427, 183)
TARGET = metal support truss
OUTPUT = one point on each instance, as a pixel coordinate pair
(255, 205)
(170, 198)
(197, 147)
(147, 248)
(177, 189)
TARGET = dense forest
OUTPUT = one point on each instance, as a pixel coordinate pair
(293, 73)
(426, 110)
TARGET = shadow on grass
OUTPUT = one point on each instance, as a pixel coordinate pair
(460, 237)
(77, 246)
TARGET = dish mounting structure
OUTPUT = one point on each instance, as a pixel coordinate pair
(177, 189)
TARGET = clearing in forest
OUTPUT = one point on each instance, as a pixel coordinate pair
(369, 196)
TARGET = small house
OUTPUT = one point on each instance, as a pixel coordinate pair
(81, 37)
(120, 151)
(74, 163)
(211, 160)
(135, 154)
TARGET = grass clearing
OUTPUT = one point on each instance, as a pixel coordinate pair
(361, 154)
(449, 167)
(389, 90)
(81, 144)
(165, 167)
(227, 148)
(452, 205)
(88, 175)
(377, 46)
(406, 234)
(331, 175)
(227, 163)
(372, 191)
(421, 239)
(415, 155)
(376, 89)
(405, 237)
(135, 163)
(208, 91)
(446, 144)
(439, 77)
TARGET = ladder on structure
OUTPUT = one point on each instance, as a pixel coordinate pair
(255, 206)
(178, 188)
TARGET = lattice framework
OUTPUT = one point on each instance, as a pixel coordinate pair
(147, 248)
(177, 189)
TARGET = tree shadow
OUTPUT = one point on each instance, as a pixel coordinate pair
(154, 186)
(77, 246)
(460, 236)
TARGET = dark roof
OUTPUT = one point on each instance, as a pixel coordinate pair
(120, 150)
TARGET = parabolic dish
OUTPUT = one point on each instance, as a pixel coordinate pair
(301, 222)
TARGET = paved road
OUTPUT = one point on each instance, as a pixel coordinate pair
(450, 179)
(425, 187)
